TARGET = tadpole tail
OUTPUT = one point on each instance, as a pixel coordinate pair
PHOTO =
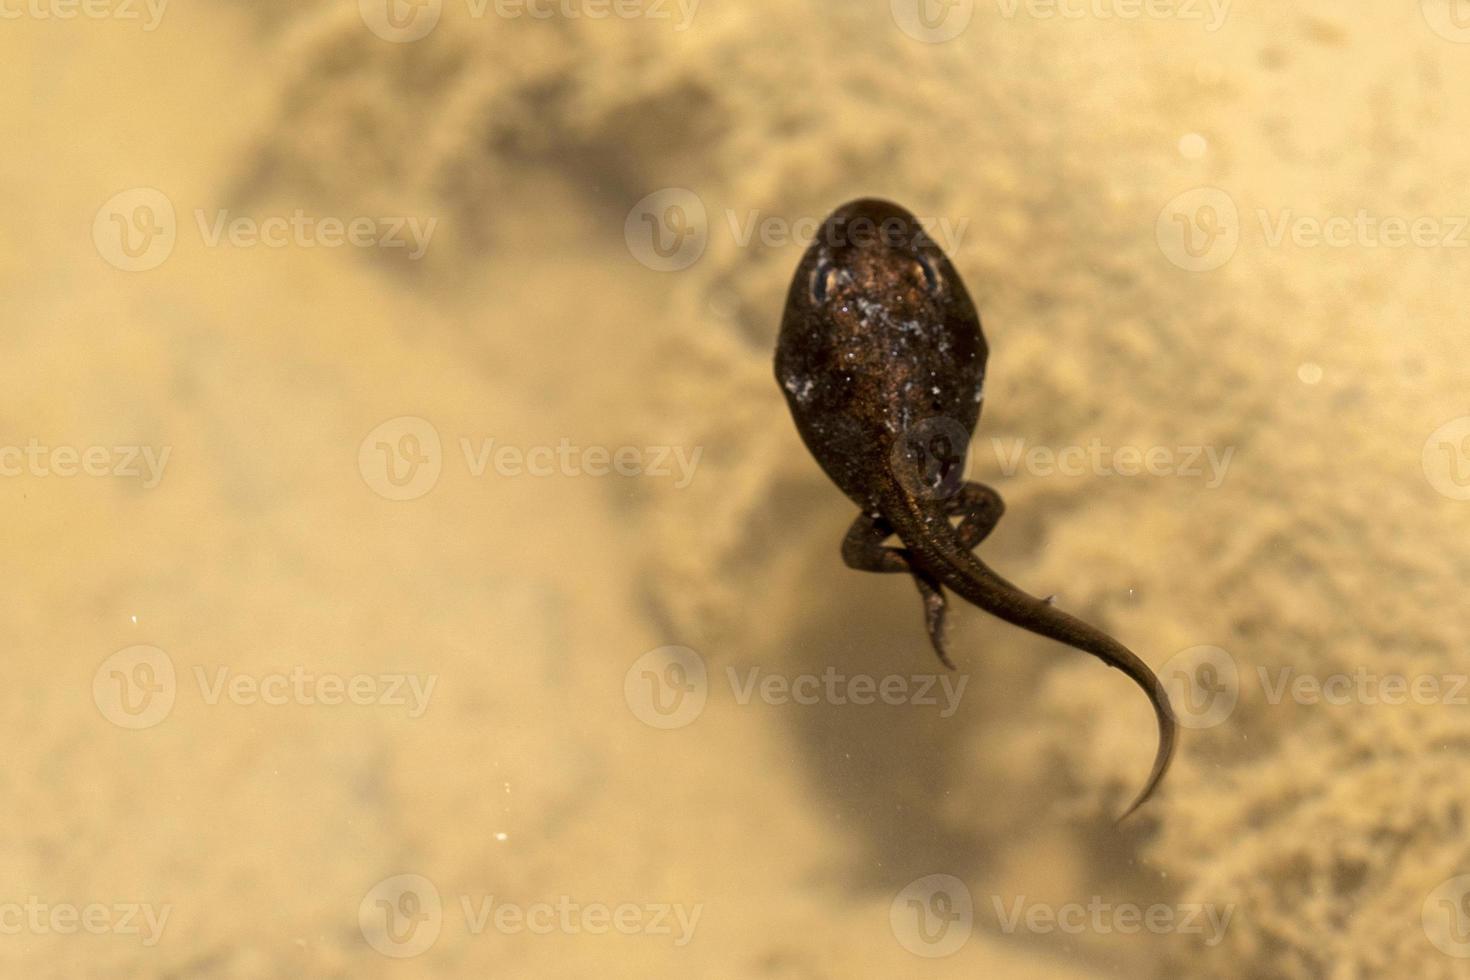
(926, 531)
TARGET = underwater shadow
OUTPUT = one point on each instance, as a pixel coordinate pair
(881, 771)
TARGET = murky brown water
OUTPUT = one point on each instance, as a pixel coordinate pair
(413, 569)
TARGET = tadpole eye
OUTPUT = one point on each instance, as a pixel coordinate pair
(822, 277)
(931, 275)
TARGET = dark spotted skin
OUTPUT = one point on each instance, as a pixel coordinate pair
(882, 361)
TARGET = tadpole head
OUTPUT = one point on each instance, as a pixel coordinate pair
(872, 254)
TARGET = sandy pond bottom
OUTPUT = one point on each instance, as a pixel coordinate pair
(329, 682)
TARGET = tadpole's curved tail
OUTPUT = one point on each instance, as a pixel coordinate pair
(927, 532)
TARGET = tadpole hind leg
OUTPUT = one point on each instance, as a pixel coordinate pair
(935, 607)
(979, 509)
(864, 550)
